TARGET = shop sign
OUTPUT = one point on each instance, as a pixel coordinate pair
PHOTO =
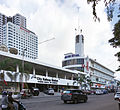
(45, 80)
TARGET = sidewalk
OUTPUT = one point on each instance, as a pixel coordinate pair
(40, 95)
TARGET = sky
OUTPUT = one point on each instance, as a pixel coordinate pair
(58, 19)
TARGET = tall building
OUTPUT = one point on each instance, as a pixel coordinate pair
(100, 75)
(3, 20)
(20, 38)
(19, 20)
(14, 34)
(16, 19)
(79, 45)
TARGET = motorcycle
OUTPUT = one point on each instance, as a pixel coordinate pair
(21, 106)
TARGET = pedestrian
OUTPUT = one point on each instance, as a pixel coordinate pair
(11, 105)
(4, 101)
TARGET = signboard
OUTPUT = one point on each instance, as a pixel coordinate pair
(38, 79)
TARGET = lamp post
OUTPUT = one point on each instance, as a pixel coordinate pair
(23, 66)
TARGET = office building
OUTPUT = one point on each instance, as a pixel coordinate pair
(100, 75)
(20, 38)
(14, 34)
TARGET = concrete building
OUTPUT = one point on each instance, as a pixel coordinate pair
(42, 75)
(100, 75)
(15, 36)
(3, 20)
(19, 20)
(16, 19)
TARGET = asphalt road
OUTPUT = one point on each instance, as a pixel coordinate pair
(95, 102)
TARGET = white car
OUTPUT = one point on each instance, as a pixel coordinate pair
(99, 92)
(49, 91)
(117, 96)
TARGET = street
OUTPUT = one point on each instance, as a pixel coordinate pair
(95, 102)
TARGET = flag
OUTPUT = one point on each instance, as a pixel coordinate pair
(5, 83)
(87, 67)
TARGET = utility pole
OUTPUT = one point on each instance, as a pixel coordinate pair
(23, 67)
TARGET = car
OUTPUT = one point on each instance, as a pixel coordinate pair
(105, 91)
(49, 91)
(74, 95)
(117, 96)
(88, 92)
(99, 92)
(35, 91)
(92, 92)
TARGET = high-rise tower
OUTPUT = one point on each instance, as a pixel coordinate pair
(3, 20)
(79, 45)
(14, 34)
(16, 19)
(19, 20)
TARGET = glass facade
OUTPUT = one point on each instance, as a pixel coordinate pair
(72, 62)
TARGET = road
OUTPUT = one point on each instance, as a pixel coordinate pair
(95, 102)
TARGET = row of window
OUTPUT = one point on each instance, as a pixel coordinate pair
(72, 62)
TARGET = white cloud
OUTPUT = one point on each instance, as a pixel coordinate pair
(59, 18)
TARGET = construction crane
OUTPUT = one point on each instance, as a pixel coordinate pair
(46, 40)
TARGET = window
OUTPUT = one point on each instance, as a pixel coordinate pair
(77, 39)
(80, 61)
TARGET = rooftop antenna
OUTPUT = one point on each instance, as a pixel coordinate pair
(77, 30)
(78, 18)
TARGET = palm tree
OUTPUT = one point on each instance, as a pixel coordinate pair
(80, 79)
(89, 82)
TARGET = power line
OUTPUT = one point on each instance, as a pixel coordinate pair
(46, 40)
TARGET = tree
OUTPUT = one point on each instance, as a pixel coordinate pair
(9, 64)
(89, 82)
(80, 79)
(115, 41)
(110, 8)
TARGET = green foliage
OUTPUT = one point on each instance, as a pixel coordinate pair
(81, 79)
(110, 7)
(28, 68)
(10, 65)
(109, 4)
(115, 41)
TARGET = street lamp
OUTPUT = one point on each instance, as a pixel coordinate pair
(23, 66)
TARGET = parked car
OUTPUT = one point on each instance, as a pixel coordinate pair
(92, 91)
(117, 96)
(88, 92)
(35, 91)
(99, 92)
(105, 91)
(74, 95)
(49, 91)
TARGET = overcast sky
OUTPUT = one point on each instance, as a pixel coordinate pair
(59, 18)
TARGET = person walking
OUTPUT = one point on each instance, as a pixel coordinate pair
(4, 101)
